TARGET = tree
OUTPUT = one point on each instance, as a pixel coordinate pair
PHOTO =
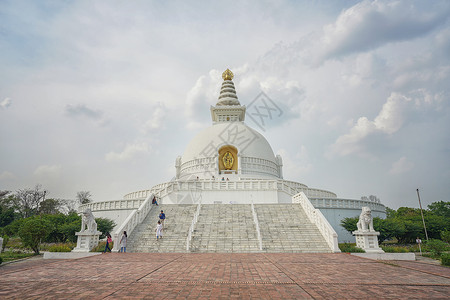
(28, 200)
(84, 197)
(349, 224)
(390, 213)
(49, 207)
(440, 208)
(33, 231)
(104, 225)
(6, 216)
(63, 227)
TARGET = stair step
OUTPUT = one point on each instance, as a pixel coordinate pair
(229, 228)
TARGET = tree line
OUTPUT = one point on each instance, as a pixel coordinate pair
(28, 214)
(405, 224)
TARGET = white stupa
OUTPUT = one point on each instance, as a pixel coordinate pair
(231, 163)
(228, 149)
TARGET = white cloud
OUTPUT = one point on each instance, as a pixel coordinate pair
(48, 171)
(156, 121)
(401, 166)
(389, 120)
(128, 153)
(5, 175)
(330, 66)
(5, 103)
(204, 93)
(295, 167)
(371, 24)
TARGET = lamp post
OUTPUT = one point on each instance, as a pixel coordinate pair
(421, 212)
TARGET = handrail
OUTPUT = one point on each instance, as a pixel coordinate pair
(316, 217)
(290, 187)
(136, 217)
(122, 204)
(258, 231)
(192, 227)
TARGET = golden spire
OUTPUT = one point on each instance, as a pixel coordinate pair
(227, 75)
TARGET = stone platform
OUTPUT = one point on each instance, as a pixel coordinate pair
(223, 276)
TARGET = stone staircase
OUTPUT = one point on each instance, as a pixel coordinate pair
(176, 227)
(286, 228)
(225, 228)
(230, 228)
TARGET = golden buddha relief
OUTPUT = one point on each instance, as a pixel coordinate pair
(228, 160)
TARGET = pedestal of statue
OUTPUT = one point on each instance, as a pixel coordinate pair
(367, 240)
(87, 240)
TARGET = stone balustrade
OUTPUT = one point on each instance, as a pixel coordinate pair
(316, 216)
(290, 187)
(346, 204)
(113, 205)
(135, 218)
(258, 230)
(192, 227)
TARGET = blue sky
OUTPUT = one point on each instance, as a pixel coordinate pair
(104, 95)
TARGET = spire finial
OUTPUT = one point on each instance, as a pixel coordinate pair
(227, 75)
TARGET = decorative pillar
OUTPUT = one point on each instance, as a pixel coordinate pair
(239, 168)
(366, 236)
(88, 237)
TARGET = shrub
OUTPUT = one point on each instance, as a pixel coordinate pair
(445, 236)
(445, 259)
(350, 248)
(5, 242)
(394, 249)
(60, 248)
(436, 247)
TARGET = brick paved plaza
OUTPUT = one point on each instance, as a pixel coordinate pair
(222, 276)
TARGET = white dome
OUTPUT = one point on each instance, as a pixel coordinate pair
(255, 155)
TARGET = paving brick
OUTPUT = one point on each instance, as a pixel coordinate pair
(222, 276)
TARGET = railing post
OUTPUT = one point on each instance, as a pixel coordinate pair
(258, 231)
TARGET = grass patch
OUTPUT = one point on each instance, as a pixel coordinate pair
(14, 255)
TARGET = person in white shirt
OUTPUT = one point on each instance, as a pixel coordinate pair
(159, 228)
(123, 242)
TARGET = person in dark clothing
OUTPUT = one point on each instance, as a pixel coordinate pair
(108, 241)
(162, 217)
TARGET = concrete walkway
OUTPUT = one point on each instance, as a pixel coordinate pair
(223, 276)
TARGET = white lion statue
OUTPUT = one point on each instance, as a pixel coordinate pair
(88, 221)
(365, 222)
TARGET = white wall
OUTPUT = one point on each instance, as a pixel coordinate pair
(118, 216)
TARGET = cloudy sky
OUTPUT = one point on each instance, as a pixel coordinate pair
(102, 96)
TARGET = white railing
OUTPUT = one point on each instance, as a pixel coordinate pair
(136, 217)
(290, 187)
(316, 217)
(192, 227)
(112, 205)
(258, 232)
(346, 203)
